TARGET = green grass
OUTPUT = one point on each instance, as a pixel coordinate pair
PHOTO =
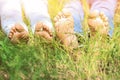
(42, 60)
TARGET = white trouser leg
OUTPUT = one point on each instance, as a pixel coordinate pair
(37, 11)
(11, 14)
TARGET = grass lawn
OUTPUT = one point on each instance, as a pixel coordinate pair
(43, 60)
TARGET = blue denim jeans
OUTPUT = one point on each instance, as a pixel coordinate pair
(106, 6)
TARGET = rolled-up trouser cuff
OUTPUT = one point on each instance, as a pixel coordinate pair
(8, 28)
(45, 21)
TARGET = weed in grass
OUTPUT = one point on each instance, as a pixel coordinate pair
(42, 60)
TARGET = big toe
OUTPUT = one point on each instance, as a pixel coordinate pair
(94, 14)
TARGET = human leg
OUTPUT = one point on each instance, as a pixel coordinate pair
(37, 12)
(68, 21)
(11, 21)
(107, 7)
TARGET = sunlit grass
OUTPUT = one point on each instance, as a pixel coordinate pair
(42, 60)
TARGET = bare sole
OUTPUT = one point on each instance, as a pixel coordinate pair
(64, 26)
(43, 30)
(98, 22)
(18, 34)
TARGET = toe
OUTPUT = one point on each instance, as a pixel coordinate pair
(66, 13)
(10, 36)
(101, 14)
(39, 27)
(94, 14)
(106, 19)
(60, 14)
(47, 29)
(56, 18)
(19, 28)
(13, 29)
(12, 32)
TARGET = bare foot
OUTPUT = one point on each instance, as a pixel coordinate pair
(43, 30)
(98, 22)
(64, 26)
(18, 33)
